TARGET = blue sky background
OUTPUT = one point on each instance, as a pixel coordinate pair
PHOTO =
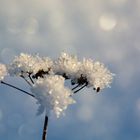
(108, 31)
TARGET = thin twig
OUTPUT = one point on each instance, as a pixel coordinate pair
(75, 87)
(80, 88)
(31, 79)
(26, 80)
(44, 135)
(17, 88)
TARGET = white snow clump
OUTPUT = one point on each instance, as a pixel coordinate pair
(25, 64)
(3, 71)
(52, 95)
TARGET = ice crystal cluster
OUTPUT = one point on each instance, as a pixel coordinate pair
(47, 78)
(51, 93)
(88, 72)
(3, 71)
(28, 64)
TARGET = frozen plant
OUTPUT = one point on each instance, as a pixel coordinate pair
(46, 79)
(51, 94)
(3, 71)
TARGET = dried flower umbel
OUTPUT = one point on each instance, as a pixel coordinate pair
(46, 79)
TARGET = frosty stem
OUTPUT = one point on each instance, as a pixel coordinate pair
(44, 135)
(31, 78)
(80, 88)
(45, 128)
(75, 87)
(12, 86)
(25, 80)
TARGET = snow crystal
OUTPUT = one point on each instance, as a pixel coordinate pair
(3, 71)
(25, 64)
(95, 73)
(51, 94)
(91, 73)
(100, 76)
(66, 64)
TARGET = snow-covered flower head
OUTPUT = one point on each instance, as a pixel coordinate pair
(25, 64)
(94, 74)
(3, 71)
(100, 76)
(86, 72)
(86, 67)
(51, 94)
(67, 65)
(46, 79)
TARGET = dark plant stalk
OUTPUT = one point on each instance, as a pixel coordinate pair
(17, 88)
(31, 79)
(25, 80)
(80, 88)
(44, 135)
(75, 87)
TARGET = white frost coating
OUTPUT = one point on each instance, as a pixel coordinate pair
(67, 64)
(3, 71)
(85, 68)
(95, 72)
(26, 63)
(52, 95)
(101, 76)
(48, 78)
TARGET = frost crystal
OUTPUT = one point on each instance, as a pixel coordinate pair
(25, 64)
(47, 78)
(51, 94)
(86, 72)
(101, 76)
(3, 71)
(66, 65)
(95, 74)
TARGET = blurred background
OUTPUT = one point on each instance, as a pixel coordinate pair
(108, 31)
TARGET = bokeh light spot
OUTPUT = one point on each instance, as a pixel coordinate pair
(1, 115)
(15, 120)
(31, 26)
(118, 2)
(2, 128)
(107, 22)
(29, 128)
(7, 54)
(85, 113)
(13, 26)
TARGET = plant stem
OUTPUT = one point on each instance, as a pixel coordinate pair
(75, 87)
(31, 79)
(17, 88)
(45, 128)
(80, 88)
(25, 80)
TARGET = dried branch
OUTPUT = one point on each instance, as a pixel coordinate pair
(17, 88)
(80, 88)
(45, 128)
(31, 78)
(75, 87)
